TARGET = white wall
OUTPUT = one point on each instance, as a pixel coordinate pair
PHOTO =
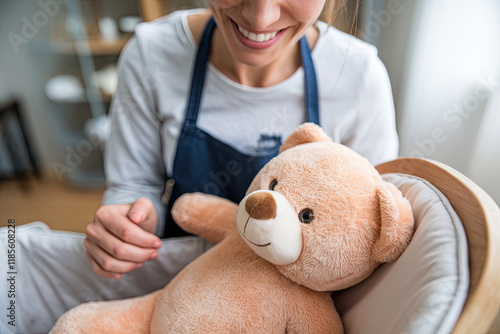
(454, 67)
(484, 167)
(444, 61)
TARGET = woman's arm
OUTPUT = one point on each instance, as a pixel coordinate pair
(133, 159)
(120, 237)
(373, 132)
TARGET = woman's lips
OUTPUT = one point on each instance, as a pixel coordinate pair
(254, 40)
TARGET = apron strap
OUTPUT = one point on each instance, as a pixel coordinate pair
(312, 99)
(200, 67)
(198, 77)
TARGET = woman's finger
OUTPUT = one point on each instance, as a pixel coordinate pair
(117, 222)
(106, 262)
(99, 271)
(116, 247)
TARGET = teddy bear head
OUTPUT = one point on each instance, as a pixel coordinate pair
(322, 214)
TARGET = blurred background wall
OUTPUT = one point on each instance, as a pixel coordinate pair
(28, 59)
(443, 58)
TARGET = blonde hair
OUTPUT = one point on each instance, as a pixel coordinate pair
(343, 14)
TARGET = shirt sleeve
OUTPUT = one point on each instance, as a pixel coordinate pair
(373, 133)
(132, 157)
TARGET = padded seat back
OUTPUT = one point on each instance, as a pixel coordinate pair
(425, 289)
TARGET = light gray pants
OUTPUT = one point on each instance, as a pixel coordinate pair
(51, 275)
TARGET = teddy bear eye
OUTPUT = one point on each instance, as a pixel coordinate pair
(306, 216)
(273, 184)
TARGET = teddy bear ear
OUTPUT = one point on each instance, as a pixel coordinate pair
(397, 224)
(305, 133)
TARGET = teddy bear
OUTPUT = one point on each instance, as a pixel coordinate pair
(316, 219)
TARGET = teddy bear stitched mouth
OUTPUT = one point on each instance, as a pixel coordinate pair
(250, 241)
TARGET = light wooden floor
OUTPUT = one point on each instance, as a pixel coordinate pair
(62, 208)
(59, 206)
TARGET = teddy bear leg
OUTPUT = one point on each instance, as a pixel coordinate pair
(131, 315)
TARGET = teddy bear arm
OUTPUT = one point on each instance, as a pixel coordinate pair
(315, 316)
(208, 216)
(132, 315)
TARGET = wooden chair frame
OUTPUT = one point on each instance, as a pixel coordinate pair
(480, 216)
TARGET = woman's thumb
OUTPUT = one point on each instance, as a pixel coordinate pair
(140, 210)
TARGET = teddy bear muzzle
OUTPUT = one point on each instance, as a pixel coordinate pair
(270, 226)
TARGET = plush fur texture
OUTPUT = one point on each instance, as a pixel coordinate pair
(359, 222)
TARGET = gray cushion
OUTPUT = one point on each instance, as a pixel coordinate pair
(425, 289)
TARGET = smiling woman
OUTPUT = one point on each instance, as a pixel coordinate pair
(204, 99)
(257, 40)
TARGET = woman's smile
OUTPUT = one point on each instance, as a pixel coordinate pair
(254, 39)
(262, 35)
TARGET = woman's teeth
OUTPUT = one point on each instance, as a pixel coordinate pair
(257, 37)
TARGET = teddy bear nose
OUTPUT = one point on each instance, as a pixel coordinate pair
(261, 205)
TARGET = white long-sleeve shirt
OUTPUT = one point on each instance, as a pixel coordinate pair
(148, 110)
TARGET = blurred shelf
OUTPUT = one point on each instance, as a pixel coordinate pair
(153, 9)
(105, 98)
(95, 47)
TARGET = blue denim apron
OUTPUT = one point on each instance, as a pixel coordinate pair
(205, 164)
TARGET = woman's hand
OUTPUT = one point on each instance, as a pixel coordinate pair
(121, 239)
